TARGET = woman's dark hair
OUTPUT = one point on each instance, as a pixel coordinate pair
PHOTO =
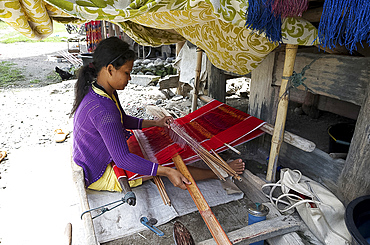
(109, 51)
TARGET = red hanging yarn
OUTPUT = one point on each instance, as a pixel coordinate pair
(288, 8)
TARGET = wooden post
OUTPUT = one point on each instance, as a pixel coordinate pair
(179, 46)
(110, 30)
(216, 82)
(277, 138)
(310, 105)
(262, 94)
(197, 78)
(103, 30)
(354, 180)
(205, 211)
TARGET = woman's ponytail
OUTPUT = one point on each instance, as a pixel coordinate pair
(86, 76)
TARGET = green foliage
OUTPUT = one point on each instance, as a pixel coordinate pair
(53, 77)
(14, 38)
(9, 74)
(35, 81)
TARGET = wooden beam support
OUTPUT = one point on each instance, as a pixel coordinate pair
(205, 211)
(277, 138)
(335, 76)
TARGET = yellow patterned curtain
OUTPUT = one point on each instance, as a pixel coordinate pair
(215, 26)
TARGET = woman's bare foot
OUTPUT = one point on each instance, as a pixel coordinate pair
(237, 165)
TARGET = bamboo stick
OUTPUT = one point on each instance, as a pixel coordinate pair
(277, 137)
(289, 138)
(197, 78)
(233, 149)
(205, 211)
(162, 191)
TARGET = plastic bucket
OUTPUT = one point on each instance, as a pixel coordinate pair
(340, 136)
(357, 218)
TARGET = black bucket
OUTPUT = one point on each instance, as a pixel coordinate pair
(357, 219)
(340, 136)
(87, 58)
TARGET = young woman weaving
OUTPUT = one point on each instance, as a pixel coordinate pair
(100, 124)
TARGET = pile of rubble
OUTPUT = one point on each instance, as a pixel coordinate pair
(157, 67)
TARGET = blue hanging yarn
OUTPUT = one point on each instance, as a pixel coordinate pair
(344, 22)
(261, 19)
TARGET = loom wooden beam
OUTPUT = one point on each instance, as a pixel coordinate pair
(205, 211)
(278, 136)
(197, 79)
(289, 138)
(292, 139)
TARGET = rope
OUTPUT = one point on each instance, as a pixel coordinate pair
(297, 79)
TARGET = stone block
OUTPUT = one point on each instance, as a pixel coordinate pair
(144, 80)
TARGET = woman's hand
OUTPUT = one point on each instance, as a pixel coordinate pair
(176, 178)
(165, 122)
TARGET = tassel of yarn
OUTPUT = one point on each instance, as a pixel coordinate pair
(260, 19)
(344, 22)
(288, 8)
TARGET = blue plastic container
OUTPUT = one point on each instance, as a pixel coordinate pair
(257, 212)
(357, 219)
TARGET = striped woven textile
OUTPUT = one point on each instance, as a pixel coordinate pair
(211, 125)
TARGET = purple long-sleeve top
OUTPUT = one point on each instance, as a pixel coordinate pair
(99, 137)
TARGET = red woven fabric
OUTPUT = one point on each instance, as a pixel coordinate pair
(211, 125)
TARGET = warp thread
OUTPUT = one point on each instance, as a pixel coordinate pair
(344, 22)
(261, 19)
